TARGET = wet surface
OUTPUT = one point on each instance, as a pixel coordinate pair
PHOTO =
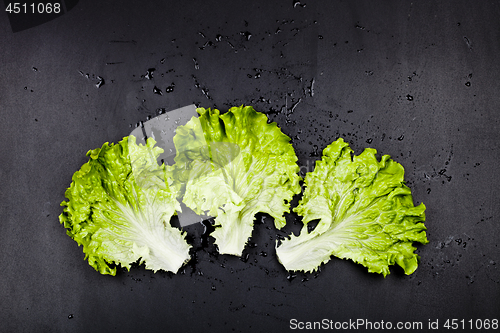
(417, 81)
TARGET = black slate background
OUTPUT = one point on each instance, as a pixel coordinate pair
(416, 80)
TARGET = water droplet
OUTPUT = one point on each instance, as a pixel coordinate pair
(315, 151)
(34, 69)
(296, 3)
(311, 88)
(401, 137)
(245, 257)
(100, 82)
(196, 65)
(468, 42)
(246, 34)
(467, 83)
(204, 91)
(428, 191)
(409, 97)
(157, 91)
(214, 288)
(370, 140)
(70, 316)
(291, 276)
(170, 88)
(149, 73)
(207, 43)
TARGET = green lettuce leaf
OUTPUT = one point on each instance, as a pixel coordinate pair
(233, 166)
(365, 212)
(119, 209)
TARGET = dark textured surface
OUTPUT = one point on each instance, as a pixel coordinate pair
(418, 81)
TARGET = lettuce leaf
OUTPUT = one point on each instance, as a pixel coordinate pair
(119, 209)
(233, 166)
(365, 212)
